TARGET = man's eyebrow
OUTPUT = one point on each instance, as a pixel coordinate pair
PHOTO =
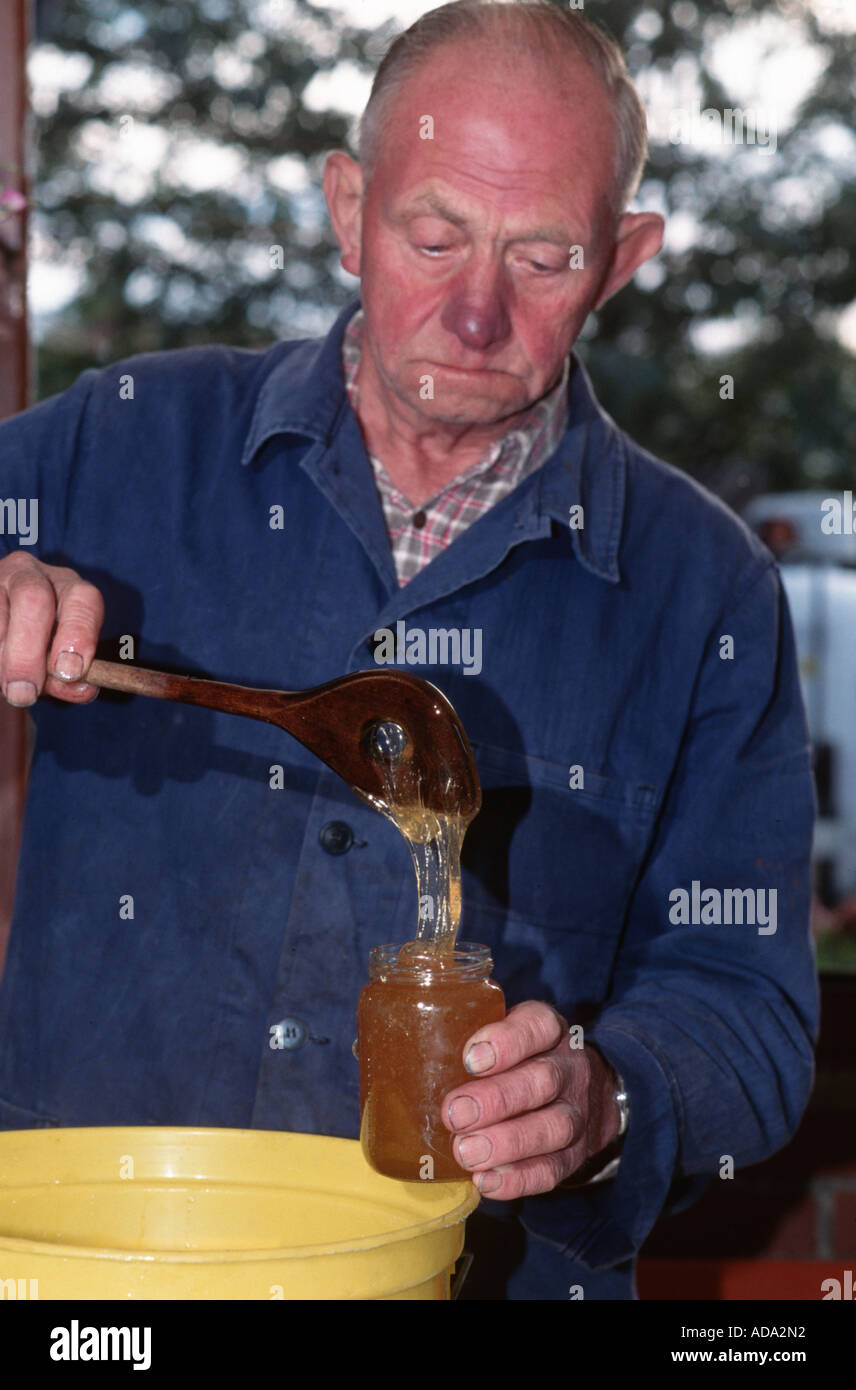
(431, 203)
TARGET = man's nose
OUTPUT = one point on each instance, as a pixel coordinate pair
(476, 310)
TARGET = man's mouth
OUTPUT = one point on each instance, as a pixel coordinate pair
(468, 371)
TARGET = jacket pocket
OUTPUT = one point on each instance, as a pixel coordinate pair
(549, 871)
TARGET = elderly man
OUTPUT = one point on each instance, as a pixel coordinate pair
(197, 895)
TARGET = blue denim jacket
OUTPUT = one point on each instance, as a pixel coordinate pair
(627, 750)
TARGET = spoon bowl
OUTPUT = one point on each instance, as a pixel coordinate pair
(354, 724)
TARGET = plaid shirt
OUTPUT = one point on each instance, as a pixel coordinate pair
(417, 536)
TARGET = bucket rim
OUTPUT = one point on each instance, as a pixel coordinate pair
(52, 1249)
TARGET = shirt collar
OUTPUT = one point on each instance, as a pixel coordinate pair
(304, 394)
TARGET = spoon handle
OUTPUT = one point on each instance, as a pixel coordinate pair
(269, 705)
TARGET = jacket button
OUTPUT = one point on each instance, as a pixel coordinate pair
(336, 837)
(288, 1034)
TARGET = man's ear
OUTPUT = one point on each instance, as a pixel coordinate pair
(638, 237)
(343, 191)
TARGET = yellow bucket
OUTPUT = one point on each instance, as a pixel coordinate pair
(217, 1213)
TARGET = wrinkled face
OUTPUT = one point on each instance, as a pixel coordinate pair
(472, 241)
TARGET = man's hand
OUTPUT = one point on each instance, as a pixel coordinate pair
(541, 1110)
(50, 619)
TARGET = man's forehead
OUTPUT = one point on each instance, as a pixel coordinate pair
(530, 108)
(521, 138)
(442, 200)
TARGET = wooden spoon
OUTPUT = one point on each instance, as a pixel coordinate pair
(365, 726)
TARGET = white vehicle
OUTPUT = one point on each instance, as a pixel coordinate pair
(813, 537)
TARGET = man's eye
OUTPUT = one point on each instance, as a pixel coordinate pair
(543, 269)
(432, 249)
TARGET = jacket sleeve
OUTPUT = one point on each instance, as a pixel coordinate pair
(38, 454)
(711, 1024)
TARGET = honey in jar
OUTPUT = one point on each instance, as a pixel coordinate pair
(420, 1007)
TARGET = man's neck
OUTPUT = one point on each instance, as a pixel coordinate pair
(420, 457)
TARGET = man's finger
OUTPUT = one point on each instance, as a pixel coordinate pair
(546, 1131)
(526, 1087)
(527, 1029)
(4, 621)
(29, 621)
(46, 606)
(525, 1179)
(79, 617)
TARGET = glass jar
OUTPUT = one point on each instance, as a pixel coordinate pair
(414, 1016)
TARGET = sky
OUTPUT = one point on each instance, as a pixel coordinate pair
(766, 64)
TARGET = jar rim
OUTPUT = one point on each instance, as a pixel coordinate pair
(466, 956)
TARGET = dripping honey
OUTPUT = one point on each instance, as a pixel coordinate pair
(425, 999)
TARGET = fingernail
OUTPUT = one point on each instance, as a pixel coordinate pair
(476, 1149)
(21, 693)
(481, 1057)
(488, 1182)
(463, 1112)
(68, 666)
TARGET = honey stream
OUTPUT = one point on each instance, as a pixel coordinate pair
(435, 839)
(415, 1016)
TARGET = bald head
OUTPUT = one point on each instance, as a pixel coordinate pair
(504, 128)
(515, 38)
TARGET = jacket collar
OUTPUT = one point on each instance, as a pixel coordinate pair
(304, 394)
(588, 470)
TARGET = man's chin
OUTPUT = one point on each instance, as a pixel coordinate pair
(466, 416)
(464, 407)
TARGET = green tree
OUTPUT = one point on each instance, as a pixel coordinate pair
(167, 89)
